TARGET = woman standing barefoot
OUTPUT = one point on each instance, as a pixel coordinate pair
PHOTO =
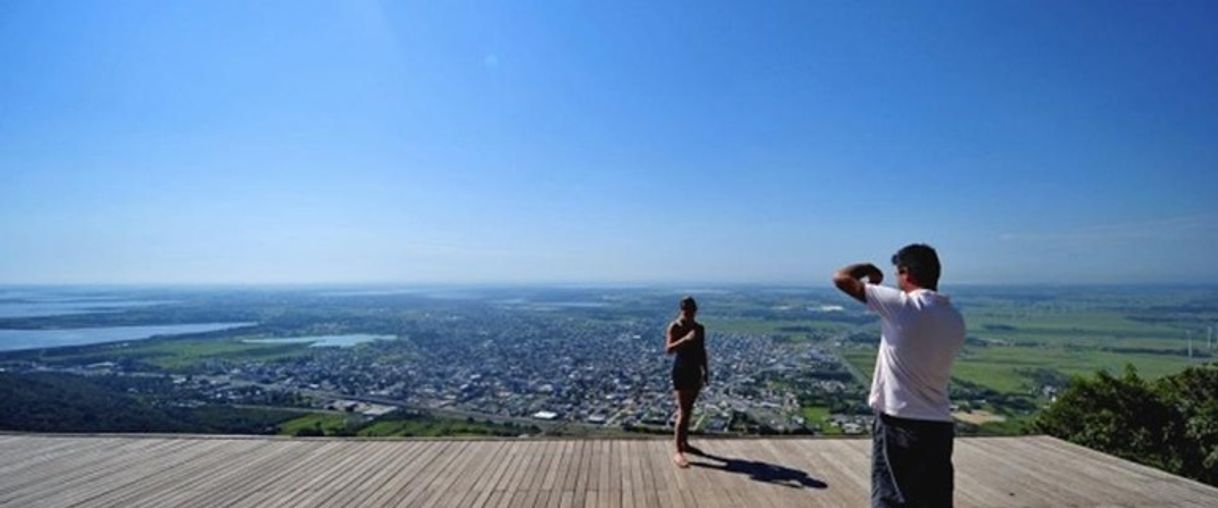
(686, 338)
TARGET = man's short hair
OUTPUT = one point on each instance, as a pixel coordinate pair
(921, 261)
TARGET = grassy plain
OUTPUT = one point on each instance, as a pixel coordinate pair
(819, 415)
(330, 423)
(175, 355)
(790, 327)
(1011, 369)
(1029, 332)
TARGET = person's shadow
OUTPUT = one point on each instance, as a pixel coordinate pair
(760, 471)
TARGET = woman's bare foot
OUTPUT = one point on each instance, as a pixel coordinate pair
(680, 460)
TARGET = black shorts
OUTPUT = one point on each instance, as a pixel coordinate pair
(686, 377)
(911, 462)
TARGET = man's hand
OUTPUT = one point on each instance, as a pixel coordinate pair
(850, 279)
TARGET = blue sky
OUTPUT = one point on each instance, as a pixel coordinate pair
(279, 142)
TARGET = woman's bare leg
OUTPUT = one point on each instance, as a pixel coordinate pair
(685, 410)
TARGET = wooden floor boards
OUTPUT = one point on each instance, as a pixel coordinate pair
(135, 471)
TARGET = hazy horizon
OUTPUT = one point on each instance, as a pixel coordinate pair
(383, 143)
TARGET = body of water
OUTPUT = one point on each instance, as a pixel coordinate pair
(34, 339)
(325, 340)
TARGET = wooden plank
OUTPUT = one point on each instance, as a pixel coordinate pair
(375, 474)
(583, 479)
(628, 474)
(344, 481)
(348, 484)
(570, 474)
(1023, 477)
(277, 476)
(519, 484)
(753, 454)
(507, 482)
(975, 479)
(165, 487)
(554, 478)
(469, 455)
(1155, 484)
(647, 452)
(75, 463)
(203, 476)
(465, 490)
(27, 454)
(846, 468)
(410, 487)
(313, 480)
(87, 480)
(220, 472)
(487, 488)
(641, 478)
(256, 484)
(407, 466)
(159, 453)
(431, 474)
(124, 476)
(611, 477)
(547, 453)
(552, 472)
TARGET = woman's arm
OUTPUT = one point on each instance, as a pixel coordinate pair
(672, 343)
(705, 357)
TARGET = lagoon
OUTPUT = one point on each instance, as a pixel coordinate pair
(347, 340)
(11, 340)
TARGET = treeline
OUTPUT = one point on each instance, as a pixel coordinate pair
(1170, 423)
(57, 402)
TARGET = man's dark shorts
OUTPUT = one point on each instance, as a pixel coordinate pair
(911, 462)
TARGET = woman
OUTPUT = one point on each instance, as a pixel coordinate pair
(686, 338)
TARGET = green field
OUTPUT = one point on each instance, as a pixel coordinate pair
(1009, 368)
(329, 423)
(1079, 325)
(772, 326)
(177, 355)
(819, 415)
(426, 428)
(183, 354)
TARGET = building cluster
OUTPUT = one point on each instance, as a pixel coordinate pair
(546, 367)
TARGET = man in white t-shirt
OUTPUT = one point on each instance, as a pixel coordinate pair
(921, 332)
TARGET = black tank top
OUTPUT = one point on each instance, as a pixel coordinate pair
(693, 355)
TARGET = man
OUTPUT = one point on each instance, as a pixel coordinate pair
(921, 332)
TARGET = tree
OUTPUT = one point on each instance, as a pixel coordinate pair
(1194, 395)
(1171, 424)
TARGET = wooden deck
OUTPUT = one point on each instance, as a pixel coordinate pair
(135, 471)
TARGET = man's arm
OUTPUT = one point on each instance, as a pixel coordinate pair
(850, 279)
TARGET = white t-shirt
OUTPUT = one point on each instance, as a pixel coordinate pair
(920, 335)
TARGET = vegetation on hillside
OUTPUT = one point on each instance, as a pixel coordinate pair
(1170, 423)
(57, 402)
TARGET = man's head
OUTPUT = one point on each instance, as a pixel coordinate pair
(917, 267)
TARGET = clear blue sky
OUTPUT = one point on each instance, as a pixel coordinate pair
(271, 142)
